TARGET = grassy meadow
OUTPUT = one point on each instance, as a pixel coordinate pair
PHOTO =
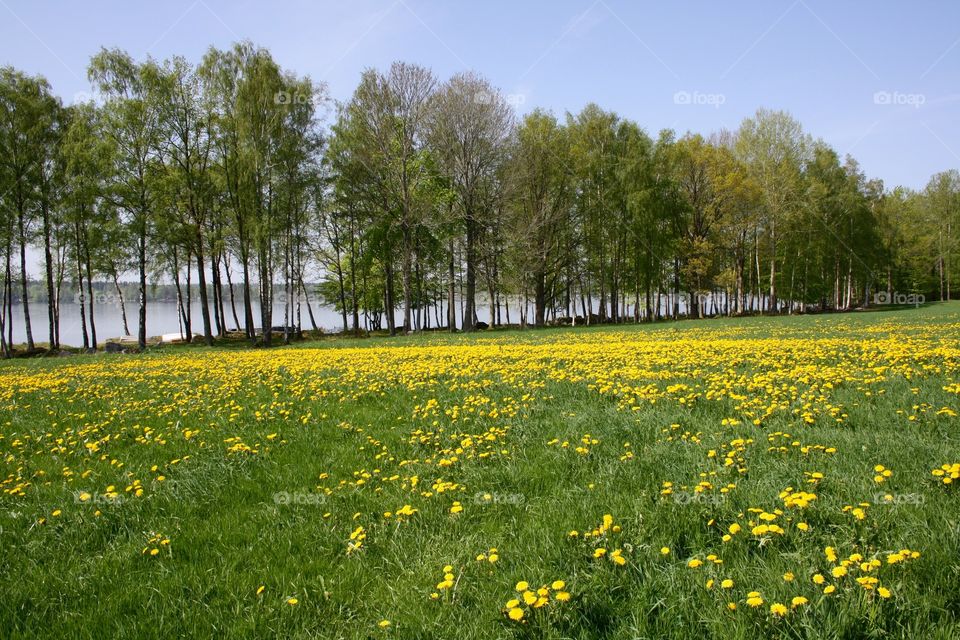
(750, 478)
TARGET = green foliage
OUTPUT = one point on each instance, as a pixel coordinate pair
(426, 195)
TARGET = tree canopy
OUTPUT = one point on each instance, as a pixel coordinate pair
(420, 200)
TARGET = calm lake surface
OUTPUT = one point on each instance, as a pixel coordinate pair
(162, 318)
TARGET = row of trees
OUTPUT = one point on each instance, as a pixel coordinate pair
(426, 199)
(179, 170)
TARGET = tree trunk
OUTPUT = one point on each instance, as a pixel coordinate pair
(5, 319)
(306, 296)
(52, 318)
(233, 305)
(202, 283)
(123, 306)
(90, 302)
(8, 292)
(355, 299)
(82, 296)
(406, 278)
(388, 296)
(451, 291)
(21, 222)
(773, 268)
(216, 285)
(244, 243)
(142, 268)
(470, 313)
(539, 298)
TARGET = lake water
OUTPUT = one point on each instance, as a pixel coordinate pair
(162, 317)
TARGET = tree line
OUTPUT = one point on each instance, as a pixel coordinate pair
(418, 200)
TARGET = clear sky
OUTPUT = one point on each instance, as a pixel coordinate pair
(876, 79)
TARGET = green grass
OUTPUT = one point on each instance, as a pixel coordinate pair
(345, 408)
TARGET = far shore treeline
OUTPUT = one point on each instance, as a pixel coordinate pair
(236, 181)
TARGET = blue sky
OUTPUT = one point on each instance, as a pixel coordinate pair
(876, 79)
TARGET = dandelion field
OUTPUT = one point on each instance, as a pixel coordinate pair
(767, 477)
